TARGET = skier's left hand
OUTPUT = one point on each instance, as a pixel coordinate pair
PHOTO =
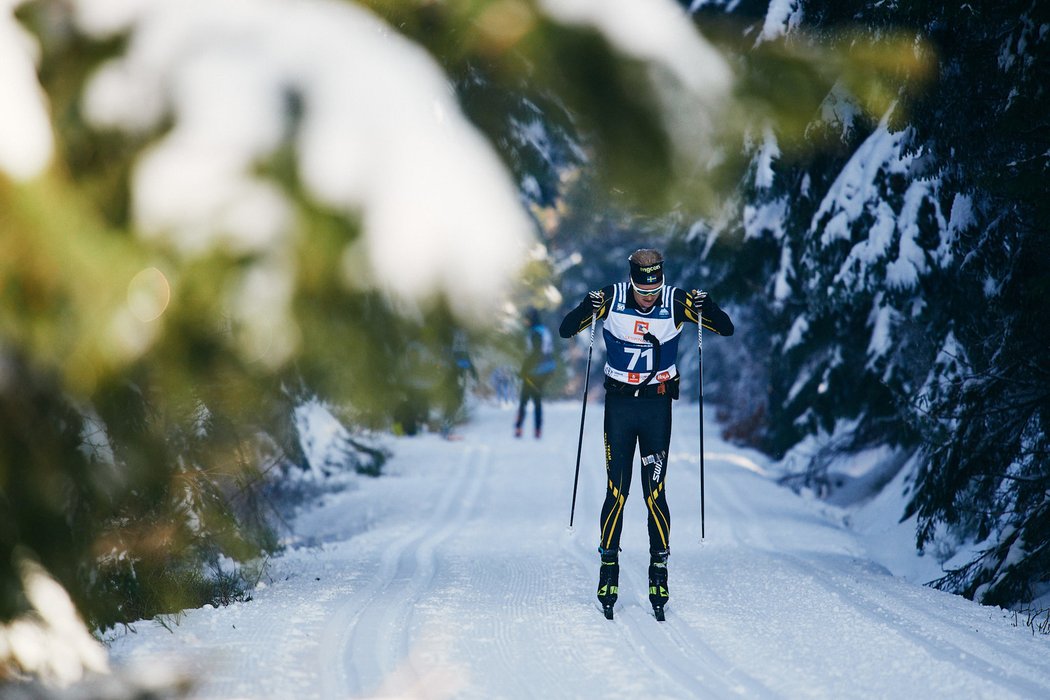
(699, 297)
(597, 298)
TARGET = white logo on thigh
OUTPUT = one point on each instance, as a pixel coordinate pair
(658, 460)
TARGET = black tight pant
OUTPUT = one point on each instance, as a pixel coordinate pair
(647, 423)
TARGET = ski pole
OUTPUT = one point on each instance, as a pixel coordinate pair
(583, 415)
(700, 358)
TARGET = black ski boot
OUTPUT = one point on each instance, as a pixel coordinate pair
(658, 583)
(609, 582)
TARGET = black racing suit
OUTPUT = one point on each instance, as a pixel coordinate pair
(641, 416)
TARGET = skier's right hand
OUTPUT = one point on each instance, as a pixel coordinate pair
(597, 298)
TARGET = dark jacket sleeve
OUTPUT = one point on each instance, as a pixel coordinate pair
(715, 319)
(579, 318)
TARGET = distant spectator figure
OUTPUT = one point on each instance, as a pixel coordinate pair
(504, 383)
(536, 369)
(460, 370)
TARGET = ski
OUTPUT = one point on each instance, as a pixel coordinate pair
(658, 611)
(608, 610)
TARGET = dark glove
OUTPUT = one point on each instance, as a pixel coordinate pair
(597, 298)
(699, 297)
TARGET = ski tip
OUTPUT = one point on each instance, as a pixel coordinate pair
(658, 612)
(608, 610)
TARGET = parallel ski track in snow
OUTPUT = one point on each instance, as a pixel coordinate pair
(918, 625)
(671, 649)
(525, 587)
(929, 631)
(373, 630)
(699, 653)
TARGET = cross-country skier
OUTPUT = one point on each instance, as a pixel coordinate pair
(642, 323)
(536, 369)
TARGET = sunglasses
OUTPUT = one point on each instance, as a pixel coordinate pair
(647, 292)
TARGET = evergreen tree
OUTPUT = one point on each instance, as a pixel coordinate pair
(904, 277)
(986, 472)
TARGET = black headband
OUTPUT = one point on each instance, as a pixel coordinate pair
(647, 274)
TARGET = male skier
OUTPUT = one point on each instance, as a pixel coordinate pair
(642, 322)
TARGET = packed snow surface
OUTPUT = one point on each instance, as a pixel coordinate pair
(456, 575)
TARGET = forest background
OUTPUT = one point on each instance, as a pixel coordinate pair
(203, 230)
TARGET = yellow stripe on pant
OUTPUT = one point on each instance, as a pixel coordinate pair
(609, 527)
(658, 514)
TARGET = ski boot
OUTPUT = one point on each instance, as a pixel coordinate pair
(608, 581)
(517, 431)
(658, 583)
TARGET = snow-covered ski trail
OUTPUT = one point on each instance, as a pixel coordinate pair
(455, 575)
(373, 627)
(913, 625)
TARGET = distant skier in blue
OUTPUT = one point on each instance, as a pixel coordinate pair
(536, 369)
(642, 322)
